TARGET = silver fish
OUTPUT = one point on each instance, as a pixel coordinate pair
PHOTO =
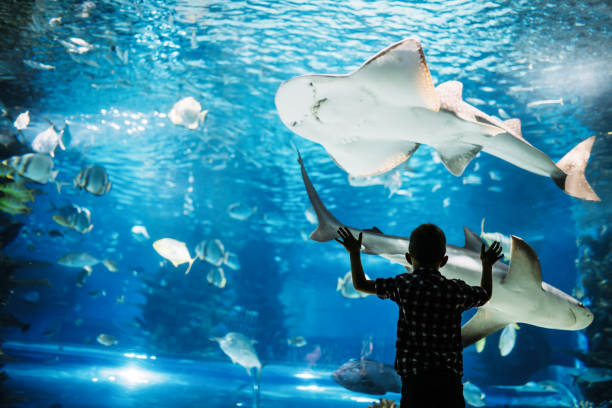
(93, 179)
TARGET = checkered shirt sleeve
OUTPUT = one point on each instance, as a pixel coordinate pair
(470, 296)
(386, 288)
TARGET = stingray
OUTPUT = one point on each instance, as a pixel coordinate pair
(375, 118)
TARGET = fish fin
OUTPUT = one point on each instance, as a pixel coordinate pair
(482, 226)
(514, 125)
(524, 271)
(404, 66)
(339, 285)
(571, 179)
(217, 339)
(482, 324)
(456, 156)
(54, 175)
(328, 224)
(202, 116)
(61, 142)
(450, 94)
(88, 229)
(190, 264)
(108, 187)
(516, 326)
(472, 241)
(367, 158)
(88, 268)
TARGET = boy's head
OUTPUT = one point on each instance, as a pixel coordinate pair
(427, 247)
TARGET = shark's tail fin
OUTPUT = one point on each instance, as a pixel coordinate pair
(573, 165)
(328, 224)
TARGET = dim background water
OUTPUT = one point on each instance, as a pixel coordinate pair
(179, 183)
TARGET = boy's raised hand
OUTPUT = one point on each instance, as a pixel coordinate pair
(491, 255)
(350, 243)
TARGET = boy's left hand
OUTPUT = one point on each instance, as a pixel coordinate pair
(350, 243)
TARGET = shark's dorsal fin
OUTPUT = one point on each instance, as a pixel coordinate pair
(515, 126)
(484, 322)
(472, 241)
(456, 156)
(524, 266)
(450, 92)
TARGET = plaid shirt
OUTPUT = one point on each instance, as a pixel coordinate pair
(429, 324)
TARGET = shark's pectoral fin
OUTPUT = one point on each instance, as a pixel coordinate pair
(524, 269)
(472, 241)
(484, 322)
(364, 158)
(456, 155)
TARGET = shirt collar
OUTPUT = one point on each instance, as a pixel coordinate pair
(430, 270)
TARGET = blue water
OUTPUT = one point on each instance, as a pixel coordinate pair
(179, 183)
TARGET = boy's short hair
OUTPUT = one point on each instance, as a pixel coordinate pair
(427, 244)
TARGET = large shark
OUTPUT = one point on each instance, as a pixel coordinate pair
(519, 295)
(375, 118)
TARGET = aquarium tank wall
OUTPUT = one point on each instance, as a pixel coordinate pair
(155, 222)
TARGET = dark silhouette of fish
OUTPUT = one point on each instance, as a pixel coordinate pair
(368, 376)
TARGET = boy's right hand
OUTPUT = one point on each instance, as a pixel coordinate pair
(350, 243)
(491, 255)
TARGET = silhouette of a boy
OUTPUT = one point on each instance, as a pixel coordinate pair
(428, 355)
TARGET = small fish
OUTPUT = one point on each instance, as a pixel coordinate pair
(240, 211)
(174, 251)
(491, 237)
(22, 121)
(313, 356)
(38, 65)
(48, 332)
(473, 395)
(120, 299)
(76, 45)
(8, 320)
(345, 286)
(82, 276)
(93, 179)
(75, 217)
(232, 261)
(545, 102)
(18, 190)
(106, 340)
(110, 265)
(13, 206)
(240, 350)
(34, 166)
(211, 251)
(187, 112)
(507, 339)
(480, 345)
(96, 293)
(139, 232)
(78, 260)
(297, 341)
(368, 376)
(31, 297)
(47, 141)
(216, 277)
